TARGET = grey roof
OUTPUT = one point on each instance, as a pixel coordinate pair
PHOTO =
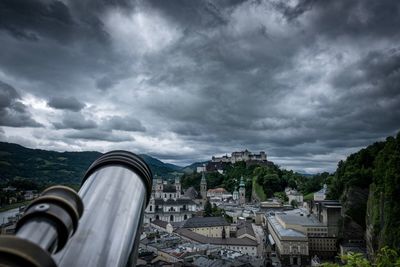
(205, 222)
(205, 262)
(245, 228)
(215, 240)
(160, 223)
(285, 232)
(300, 220)
(191, 192)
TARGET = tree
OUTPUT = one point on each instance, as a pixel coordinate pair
(294, 203)
(207, 209)
(386, 257)
(292, 183)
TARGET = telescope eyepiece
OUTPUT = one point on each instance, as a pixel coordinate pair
(125, 159)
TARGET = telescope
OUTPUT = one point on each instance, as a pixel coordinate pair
(98, 226)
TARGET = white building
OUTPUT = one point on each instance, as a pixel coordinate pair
(293, 194)
(321, 194)
(215, 231)
(168, 204)
(300, 234)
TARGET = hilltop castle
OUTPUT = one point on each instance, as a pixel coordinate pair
(241, 156)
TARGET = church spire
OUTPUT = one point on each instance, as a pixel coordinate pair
(241, 182)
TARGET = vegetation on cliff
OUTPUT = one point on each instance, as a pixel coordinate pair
(374, 174)
(386, 257)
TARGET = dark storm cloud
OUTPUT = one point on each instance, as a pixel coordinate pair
(12, 111)
(359, 18)
(98, 135)
(127, 123)
(75, 120)
(307, 81)
(68, 103)
(33, 20)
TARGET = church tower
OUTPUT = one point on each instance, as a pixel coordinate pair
(178, 187)
(242, 192)
(159, 188)
(203, 187)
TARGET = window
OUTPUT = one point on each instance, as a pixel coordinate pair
(171, 218)
(151, 208)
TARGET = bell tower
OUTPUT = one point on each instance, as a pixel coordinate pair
(203, 187)
(242, 192)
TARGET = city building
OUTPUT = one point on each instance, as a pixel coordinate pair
(300, 234)
(244, 245)
(167, 203)
(321, 194)
(293, 194)
(290, 245)
(208, 226)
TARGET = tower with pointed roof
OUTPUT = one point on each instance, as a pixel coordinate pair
(242, 192)
(178, 187)
(203, 187)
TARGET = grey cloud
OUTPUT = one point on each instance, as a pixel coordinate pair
(75, 120)
(68, 103)
(318, 79)
(360, 18)
(99, 135)
(127, 123)
(13, 112)
(34, 20)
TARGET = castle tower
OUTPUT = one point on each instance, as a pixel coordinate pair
(159, 188)
(242, 192)
(178, 187)
(203, 187)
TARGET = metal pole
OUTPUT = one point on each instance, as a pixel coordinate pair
(114, 197)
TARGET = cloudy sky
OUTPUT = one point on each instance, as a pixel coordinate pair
(309, 82)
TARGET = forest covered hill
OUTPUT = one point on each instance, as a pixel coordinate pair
(50, 167)
(368, 186)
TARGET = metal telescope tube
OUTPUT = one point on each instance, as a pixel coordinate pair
(115, 192)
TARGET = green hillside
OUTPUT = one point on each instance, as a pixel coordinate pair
(50, 167)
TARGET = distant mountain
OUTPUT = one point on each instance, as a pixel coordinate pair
(42, 166)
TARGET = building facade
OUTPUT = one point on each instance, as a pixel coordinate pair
(216, 231)
(167, 203)
(302, 234)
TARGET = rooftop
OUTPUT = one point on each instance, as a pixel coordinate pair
(215, 240)
(160, 223)
(245, 228)
(284, 232)
(196, 222)
(304, 220)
